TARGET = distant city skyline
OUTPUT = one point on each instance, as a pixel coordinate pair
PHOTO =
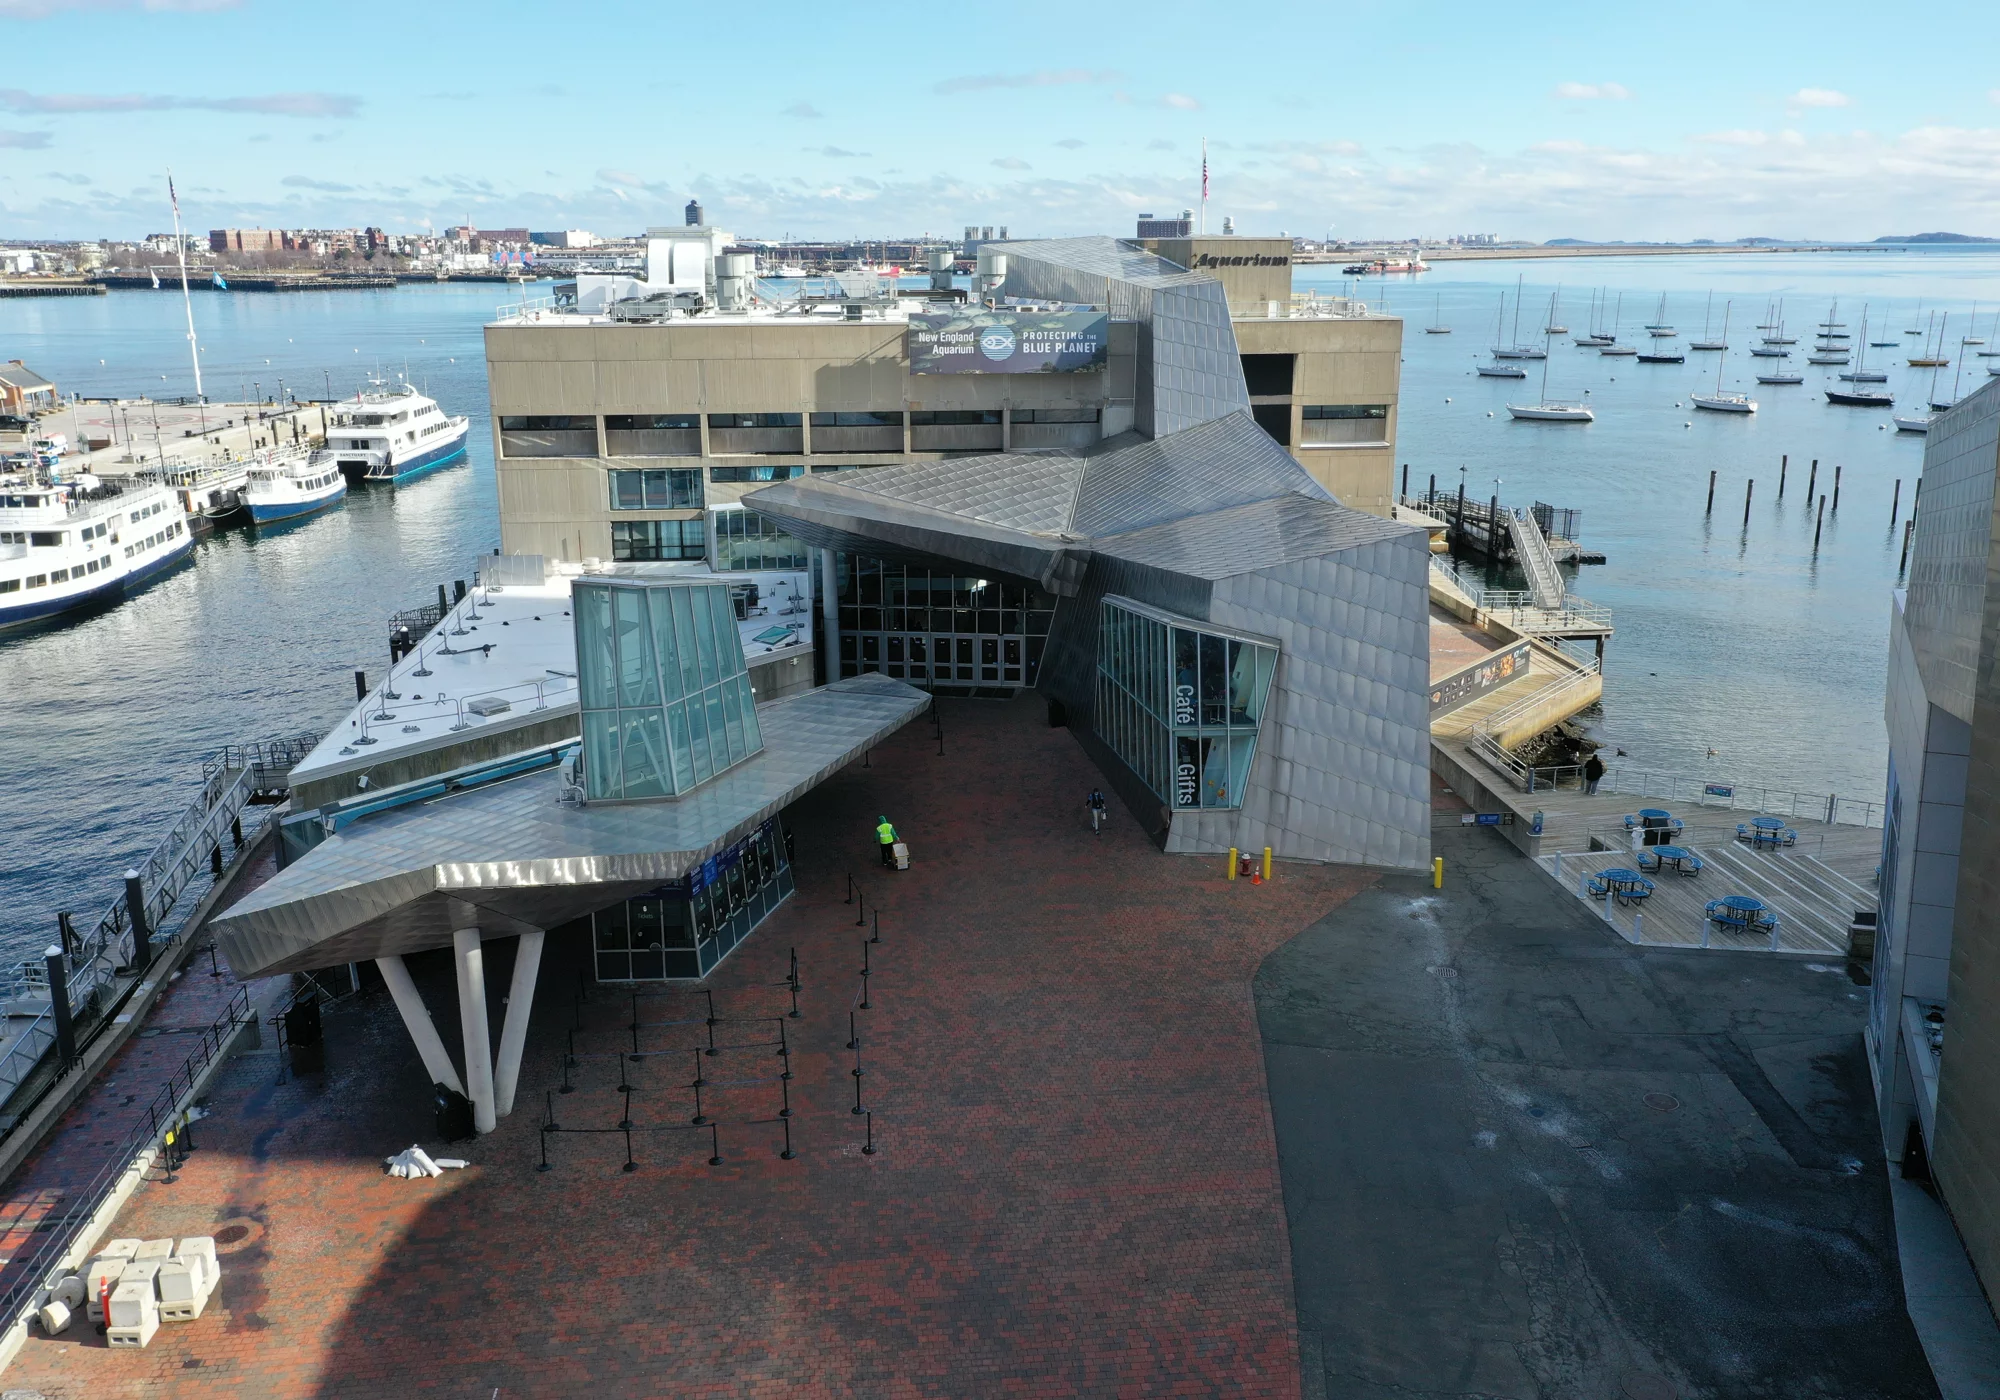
(1570, 123)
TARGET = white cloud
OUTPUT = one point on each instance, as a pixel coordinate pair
(804, 111)
(980, 82)
(277, 104)
(24, 140)
(1593, 92)
(1735, 137)
(1011, 163)
(1071, 143)
(1819, 97)
(1181, 102)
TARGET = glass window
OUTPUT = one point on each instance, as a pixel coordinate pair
(652, 435)
(747, 540)
(656, 489)
(742, 474)
(867, 418)
(596, 656)
(548, 435)
(638, 682)
(753, 420)
(1344, 423)
(642, 541)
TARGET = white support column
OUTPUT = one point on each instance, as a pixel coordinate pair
(417, 1020)
(472, 1017)
(514, 1029)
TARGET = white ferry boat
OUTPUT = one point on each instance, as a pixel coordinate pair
(394, 434)
(286, 485)
(72, 544)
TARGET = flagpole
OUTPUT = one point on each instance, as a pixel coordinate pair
(1204, 185)
(187, 300)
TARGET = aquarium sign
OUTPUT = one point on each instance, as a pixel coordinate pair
(1008, 342)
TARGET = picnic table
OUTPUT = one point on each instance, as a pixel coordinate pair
(1743, 911)
(1766, 831)
(1679, 857)
(1657, 825)
(1622, 883)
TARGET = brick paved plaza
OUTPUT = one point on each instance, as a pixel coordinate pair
(1076, 1189)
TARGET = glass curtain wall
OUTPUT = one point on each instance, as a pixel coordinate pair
(1181, 705)
(666, 700)
(746, 540)
(940, 629)
(684, 929)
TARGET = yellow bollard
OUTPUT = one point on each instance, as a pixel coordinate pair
(1437, 873)
(1267, 862)
(1232, 864)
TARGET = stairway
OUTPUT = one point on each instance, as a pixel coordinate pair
(1531, 547)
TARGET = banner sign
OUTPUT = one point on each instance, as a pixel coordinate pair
(1717, 790)
(1497, 669)
(1008, 342)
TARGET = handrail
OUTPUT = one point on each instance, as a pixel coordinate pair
(1532, 549)
(40, 1269)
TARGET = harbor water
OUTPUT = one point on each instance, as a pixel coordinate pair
(1735, 639)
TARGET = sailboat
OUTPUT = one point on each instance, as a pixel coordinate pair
(1933, 356)
(1550, 410)
(1594, 337)
(1660, 329)
(1941, 407)
(1610, 345)
(1518, 351)
(1913, 330)
(1991, 354)
(1552, 328)
(1861, 374)
(1437, 309)
(1974, 318)
(1497, 370)
(1777, 335)
(1705, 343)
(1724, 401)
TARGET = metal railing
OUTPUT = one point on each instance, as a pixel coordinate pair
(57, 1235)
(1486, 745)
(231, 778)
(1518, 608)
(1699, 791)
(1532, 549)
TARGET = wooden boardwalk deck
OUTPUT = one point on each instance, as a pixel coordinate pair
(1573, 820)
(1815, 901)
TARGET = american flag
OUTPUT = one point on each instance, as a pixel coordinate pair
(175, 199)
(1204, 169)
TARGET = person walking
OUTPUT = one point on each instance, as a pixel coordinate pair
(886, 835)
(1593, 773)
(1095, 802)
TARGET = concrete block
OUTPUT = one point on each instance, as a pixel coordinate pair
(103, 1269)
(71, 1292)
(54, 1317)
(179, 1280)
(133, 1304)
(155, 1249)
(133, 1336)
(120, 1249)
(202, 1246)
(141, 1271)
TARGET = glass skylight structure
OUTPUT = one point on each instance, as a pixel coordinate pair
(666, 700)
(1181, 703)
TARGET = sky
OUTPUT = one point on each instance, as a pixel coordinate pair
(1698, 120)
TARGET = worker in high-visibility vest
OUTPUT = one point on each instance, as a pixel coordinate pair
(886, 834)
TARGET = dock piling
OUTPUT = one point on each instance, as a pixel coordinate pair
(1896, 502)
(1819, 522)
(1837, 469)
(1406, 481)
(1784, 462)
(1909, 529)
(1748, 487)
(360, 685)
(1812, 481)
(1711, 492)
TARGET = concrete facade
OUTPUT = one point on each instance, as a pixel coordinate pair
(1937, 953)
(559, 503)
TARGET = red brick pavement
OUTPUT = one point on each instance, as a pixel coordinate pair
(104, 1119)
(1076, 1191)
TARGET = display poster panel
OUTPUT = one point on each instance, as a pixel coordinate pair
(1008, 342)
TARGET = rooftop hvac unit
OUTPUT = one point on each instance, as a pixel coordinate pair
(735, 279)
(942, 263)
(992, 271)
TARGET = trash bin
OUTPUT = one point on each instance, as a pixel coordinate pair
(454, 1114)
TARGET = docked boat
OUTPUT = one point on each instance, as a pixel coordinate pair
(1912, 423)
(1861, 374)
(1503, 372)
(1552, 328)
(69, 545)
(784, 272)
(1770, 352)
(1658, 358)
(1496, 370)
(1592, 342)
(1777, 335)
(393, 433)
(1660, 328)
(1618, 350)
(287, 485)
(1933, 356)
(1781, 378)
(1860, 398)
(1827, 357)
(210, 493)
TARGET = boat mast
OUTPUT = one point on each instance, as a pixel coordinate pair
(1720, 358)
(187, 301)
(1517, 309)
